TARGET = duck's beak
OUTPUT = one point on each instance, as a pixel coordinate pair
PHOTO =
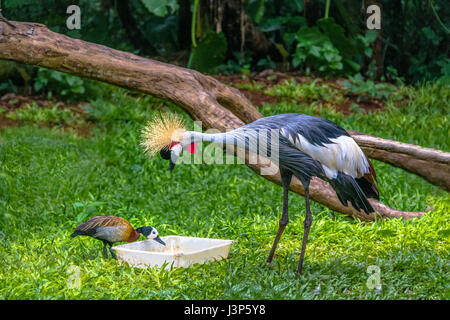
(158, 239)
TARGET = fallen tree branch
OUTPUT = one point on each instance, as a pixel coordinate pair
(203, 97)
(430, 164)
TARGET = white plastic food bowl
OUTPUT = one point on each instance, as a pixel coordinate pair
(179, 252)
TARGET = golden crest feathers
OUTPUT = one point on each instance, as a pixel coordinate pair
(161, 131)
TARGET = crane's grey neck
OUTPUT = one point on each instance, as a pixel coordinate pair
(230, 137)
(241, 138)
(263, 143)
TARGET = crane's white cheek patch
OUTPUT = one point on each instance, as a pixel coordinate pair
(175, 152)
(177, 148)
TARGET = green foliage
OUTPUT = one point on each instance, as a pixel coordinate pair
(160, 7)
(49, 115)
(209, 53)
(445, 72)
(287, 26)
(14, 4)
(326, 49)
(266, 63)
(99, 23)
(8, 86)
(336, 34)
(367, 90)
(160, 31)
(67, 178)
(417, 42)
(13, 75)
(60, 84)
(315, 50)
(254, 86)
(308, 92)
(255, 9)
(240, 64)
(415, 35)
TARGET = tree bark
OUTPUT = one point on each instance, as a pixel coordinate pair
(203, 97)
(377, 45)
(430, 164)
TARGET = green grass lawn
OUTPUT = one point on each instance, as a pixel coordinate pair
(51, 180)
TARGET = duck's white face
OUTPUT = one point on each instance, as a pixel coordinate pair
(153, 234)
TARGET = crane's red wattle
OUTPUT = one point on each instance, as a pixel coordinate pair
(192, 148)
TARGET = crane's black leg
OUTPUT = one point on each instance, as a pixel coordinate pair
(306, 227)
(286, 179)
(112, 251)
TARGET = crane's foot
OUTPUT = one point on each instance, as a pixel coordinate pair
(2, 18)
(269, 265)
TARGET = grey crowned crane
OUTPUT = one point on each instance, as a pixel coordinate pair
(307, 147)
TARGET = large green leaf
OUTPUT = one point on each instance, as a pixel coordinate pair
(12, 4)
(315, 49)
(337, 36)
(255, 9)
(210, 52)
(160, 7)
(296, 5)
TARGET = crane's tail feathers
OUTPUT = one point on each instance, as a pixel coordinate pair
(369, 187)
(367, 183)
(348, 189)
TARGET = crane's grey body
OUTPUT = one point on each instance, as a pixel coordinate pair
(318, 138)
(307, 147)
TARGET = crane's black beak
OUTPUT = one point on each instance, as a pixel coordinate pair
(171, 166)
(158, 239)
(166, 155)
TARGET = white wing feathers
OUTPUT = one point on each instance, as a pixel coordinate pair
(342, 155)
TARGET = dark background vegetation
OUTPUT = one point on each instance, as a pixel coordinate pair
(286, 35)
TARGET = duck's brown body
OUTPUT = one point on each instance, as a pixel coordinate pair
(109, 229)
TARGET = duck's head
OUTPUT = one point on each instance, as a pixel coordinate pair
(150, 233)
